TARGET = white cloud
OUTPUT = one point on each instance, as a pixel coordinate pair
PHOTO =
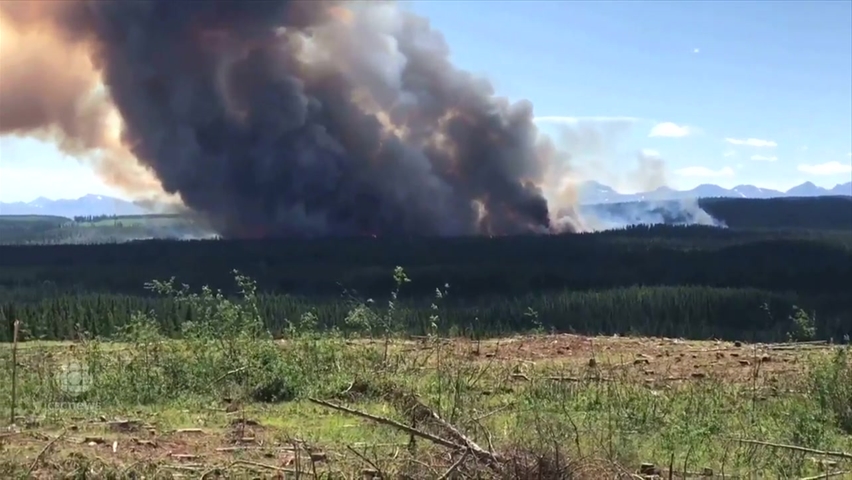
(752, 142)
(573, 120)
(705, 172)
(650, 153)
(764, 158)
(828, 168)
(730, 153)
(669, 129)
(696, 50)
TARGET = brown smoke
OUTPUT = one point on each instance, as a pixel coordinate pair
(49, 89)
(281, 117)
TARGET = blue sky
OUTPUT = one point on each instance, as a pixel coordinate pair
(726, 92)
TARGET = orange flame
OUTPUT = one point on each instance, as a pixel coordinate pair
(342, 14)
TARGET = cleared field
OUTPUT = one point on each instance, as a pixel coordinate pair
(538, 406)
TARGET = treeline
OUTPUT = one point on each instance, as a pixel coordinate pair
(74, 234)
(808, 213)
(692, 281)
(691, 312)
(812, 213)
(94, 218)
(118, 218)
(41, 231)
(22, 229)
(799, 213)
(649, 256)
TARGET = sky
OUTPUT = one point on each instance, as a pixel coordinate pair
(725, 92)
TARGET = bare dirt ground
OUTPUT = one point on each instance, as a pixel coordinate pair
(119, 447)
(653, 359)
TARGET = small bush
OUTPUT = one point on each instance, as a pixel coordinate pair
(227, 352)
(831, 386)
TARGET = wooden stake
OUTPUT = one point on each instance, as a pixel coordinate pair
(15, 328)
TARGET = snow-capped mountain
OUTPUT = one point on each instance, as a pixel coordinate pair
(83, 206)
(590, 193)
(750, 191)
(593, 192)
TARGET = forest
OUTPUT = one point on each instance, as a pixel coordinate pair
(778, 261)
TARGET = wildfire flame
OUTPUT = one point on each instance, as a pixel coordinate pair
(341, 14)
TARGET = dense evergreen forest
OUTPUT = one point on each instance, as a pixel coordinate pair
(794, 258)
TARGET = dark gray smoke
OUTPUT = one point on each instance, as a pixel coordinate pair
(315, 117)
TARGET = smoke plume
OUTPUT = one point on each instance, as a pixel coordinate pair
(592, 145)
(281, 117)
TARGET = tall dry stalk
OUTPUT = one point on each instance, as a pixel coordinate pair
(15, 327)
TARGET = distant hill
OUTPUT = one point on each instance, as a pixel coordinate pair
(590, 193)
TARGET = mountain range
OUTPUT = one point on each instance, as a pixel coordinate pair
(591, 192)
(84, 206)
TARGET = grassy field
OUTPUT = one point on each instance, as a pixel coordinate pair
(229, 401)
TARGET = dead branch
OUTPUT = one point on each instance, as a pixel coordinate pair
(424, 412)
(455, 466)
(366, 460)
(478, 451)
(391, 423)
(844, 455)
(247, 463)
(554, 378)
(492, 412)
(229, 373)
(43, 451)
(828, 475)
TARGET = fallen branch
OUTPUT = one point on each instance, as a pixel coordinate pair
(827, 475)
(43, 451)
(554, 378)
(365, 445)
(265, 466)
(492, 412)
(788, 345)
(241, 448)
(455, 466)
(366, 460)
(229, 373)
(189, 430)
(844, 455)
(391, 423)
(490, 458)
(247, 463)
